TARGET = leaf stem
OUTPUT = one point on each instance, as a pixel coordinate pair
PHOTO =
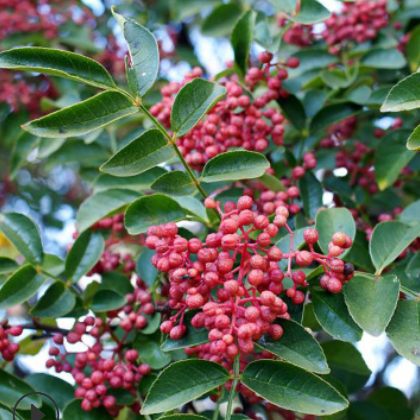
(232, 393)
(46, 273)
(216, 411)
(409, 292)
(172, 142)
(146, 416)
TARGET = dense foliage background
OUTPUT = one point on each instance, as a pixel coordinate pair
(210, 209)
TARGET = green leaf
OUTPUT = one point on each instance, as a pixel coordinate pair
(412, 270)
(314, 100)
(241, 39)
(294, 111)
(404, 330)
(103, 204)
(384, 59)
(335, 79)
(332, 313)
(184, 9)
(235, 165)
(192, 102)
(411, 214)
(412, 49)
(413, 142)
(391, 158)
(360, 95)
(58, 389)
(147, 271)
(372, 301)
(272, 182)
(311, 12)
(57, 63)
(311, 59)
(22, 148)
(193, 207)
(284, 244)
(139, 182)
(404, 96)
(7, 413)
(182, 382)
(358, 254)
(107, 300)
(24, 235)
(347, 364)
(332, 114)
(153, 324)
(130, 75)
(74, 411)
(12, 388)
(311, 192)
(393, 401)
(116, 281)
(151, 210)
(296, 346)
(53, 264)
(21, 286)
(287, 6)
(84, 117)
(388, 240)
(84, 254)
(333, 220)
(142, 154)
(150, 351)
(57, 301)
(292, 388)
(174, 183)
(221, 20)
(144, 52)
(192, 337)
(7, 265)
(183, 417)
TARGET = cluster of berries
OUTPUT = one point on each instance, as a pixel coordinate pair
(111, 259)
(106, 365)
(236, 276)
(296, 34)
(8, 349)
(40, 16)
(357, 21)
(339, 132)
(267, 201)
(45, 18)
(237, 121)
(25, 91)
(358, 159)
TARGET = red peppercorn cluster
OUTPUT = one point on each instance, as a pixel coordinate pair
(338, 272)
(235, 278)
(106, 364)
(238, 120)
(296, 34)
(112, 58)
(9, 349)
(44, 18)
(358, 159)
(24, 91)
(268, 201)
(339, 132)
(40, 16)
(358, 21)
(111, 259)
